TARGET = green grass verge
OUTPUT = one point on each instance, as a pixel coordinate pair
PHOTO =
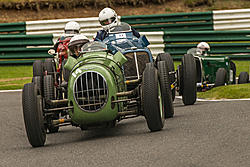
(15, 71)
(241, 66)
(240, 91)
(14, 77)
(14, 84)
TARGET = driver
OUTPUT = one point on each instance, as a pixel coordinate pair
(71, 28)
(204, 48)
(108, 19)
(76, 43)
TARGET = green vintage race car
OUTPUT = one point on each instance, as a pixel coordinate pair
(213, 70)
(97, 93)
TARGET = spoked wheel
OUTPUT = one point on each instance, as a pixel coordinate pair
(152, 98)
(38, 68)
(243, 78)
(170, 68)
(33, 115)
(221, 77)
(188, 79)
(49, 94)
(165, 90)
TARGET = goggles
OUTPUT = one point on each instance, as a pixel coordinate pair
(71, 31)
(107, 21)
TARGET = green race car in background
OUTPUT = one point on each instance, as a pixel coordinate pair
(213, 71)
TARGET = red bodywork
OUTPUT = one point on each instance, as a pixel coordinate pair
(62, 50)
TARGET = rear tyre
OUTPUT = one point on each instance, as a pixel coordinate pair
(170, 67)
(49, 94)
(165, 90)
(221, 77)
(180, 80)
(33, 115)
(38, 81)
(188, 79)
(49, 66)
(152, 98)
(38, 68)
(243, 78)
(48, 85)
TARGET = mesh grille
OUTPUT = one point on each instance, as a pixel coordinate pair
(130, 67)
(90, 91)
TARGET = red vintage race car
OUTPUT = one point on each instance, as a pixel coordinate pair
(61, 50)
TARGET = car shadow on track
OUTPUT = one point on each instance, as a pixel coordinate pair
(131, 128)
(70, 135)
(126, 128)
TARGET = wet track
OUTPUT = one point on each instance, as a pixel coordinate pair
(204, 134)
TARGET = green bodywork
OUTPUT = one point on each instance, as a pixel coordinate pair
(110, 67)
(211, 64)
(207, 66)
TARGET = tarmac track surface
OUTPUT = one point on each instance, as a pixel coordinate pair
(205, 134)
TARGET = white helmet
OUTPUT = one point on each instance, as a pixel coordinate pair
(203, 46)
(76, 42)
(108, 18)
(72, 27)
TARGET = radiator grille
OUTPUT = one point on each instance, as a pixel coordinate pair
(90, 91)
(130, 66)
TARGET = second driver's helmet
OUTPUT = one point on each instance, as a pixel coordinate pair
(76, 43)
(72, 27)
(203, 46)
(108, 18)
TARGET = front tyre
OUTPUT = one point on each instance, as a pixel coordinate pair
(221, 77)
(188, 79)
(152, 98)
(33, 115)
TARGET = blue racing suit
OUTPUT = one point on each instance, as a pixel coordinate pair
(102, 34)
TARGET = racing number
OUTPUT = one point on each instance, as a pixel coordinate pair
(78, 71)
(120, 35)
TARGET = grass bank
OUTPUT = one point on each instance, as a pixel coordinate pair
(241, 66)
(14, 77)
(241, 91)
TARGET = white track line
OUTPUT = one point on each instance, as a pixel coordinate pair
(179, 97)
(4, 91)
